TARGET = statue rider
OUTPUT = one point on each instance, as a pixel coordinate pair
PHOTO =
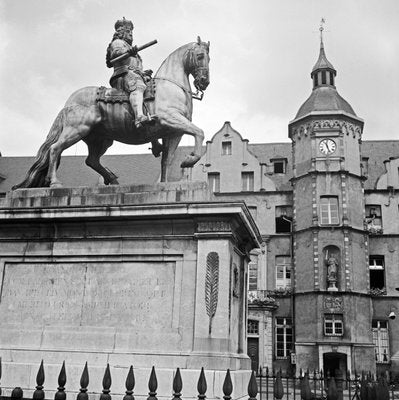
(128, 72)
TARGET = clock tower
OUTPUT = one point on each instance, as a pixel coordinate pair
(332, 305)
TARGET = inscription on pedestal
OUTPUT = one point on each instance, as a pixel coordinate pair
(88, 294)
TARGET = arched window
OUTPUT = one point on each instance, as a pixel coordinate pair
(323, 77)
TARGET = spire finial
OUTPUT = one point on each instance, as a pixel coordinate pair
(321, 29)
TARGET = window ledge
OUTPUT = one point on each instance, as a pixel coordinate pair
(378, 292)
(333, 335)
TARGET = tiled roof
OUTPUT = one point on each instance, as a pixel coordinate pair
(322, 62)
(324, 98)
(137, 168)
(377, 151)
(144, 168)
(265, 152)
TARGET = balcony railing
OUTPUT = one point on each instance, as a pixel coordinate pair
(374, 229)
(267, 298)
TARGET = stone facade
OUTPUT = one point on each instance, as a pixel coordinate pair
(143, 275)
(330, 247)
(307, 299)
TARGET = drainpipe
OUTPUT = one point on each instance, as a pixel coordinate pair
(292, 283)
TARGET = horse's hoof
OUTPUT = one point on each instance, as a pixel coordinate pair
(55, 185)
(189, 161)
(156, 149)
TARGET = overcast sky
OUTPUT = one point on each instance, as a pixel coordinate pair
(262, 53)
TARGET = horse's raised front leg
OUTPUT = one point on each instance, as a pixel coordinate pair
(78, 122)
(180, 124)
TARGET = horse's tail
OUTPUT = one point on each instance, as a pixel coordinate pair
(36, 175)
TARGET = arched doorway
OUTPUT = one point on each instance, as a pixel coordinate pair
(334, 363)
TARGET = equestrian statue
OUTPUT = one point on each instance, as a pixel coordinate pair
(137, 109)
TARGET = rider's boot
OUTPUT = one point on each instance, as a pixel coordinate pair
(136, 100)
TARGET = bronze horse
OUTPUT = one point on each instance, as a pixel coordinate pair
(98, 124)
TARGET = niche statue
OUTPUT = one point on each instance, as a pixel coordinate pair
(332, 273)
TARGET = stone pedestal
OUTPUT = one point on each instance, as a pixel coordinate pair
(142, 276)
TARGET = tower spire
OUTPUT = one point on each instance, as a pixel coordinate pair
(323, 73)
(324, 95)
(321, 29)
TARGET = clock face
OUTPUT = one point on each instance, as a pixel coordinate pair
(327, 146)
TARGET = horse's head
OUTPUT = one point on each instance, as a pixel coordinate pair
(197, 64)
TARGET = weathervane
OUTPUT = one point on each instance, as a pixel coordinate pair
(321, 29)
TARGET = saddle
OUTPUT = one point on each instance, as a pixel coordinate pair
(114, 96)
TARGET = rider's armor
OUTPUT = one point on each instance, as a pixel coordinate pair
(128, 73)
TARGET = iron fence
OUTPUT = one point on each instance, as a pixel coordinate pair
(177, 385)
(261, 386)
(319, 386)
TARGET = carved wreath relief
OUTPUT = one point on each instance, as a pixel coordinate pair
(211, 285)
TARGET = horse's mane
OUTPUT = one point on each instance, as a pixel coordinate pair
(178, 50)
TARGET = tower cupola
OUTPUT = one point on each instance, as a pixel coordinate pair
(324, 97)
(323, 72)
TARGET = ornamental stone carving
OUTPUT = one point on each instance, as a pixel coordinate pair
(333, 303)
(345, 126)
(214, 226)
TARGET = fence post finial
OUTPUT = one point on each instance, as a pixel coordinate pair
(84, 382)
(60, 394)
(107, 381)
(152, 385)
(130, 382)
(38, 394)
(177, 385)
(252, 387)
(201, 385)
(227, 386)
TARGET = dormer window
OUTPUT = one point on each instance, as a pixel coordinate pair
(373, 218)
(226, 148)
(279, 165)
(365, 166)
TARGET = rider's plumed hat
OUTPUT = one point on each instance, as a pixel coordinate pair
(125, 23)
